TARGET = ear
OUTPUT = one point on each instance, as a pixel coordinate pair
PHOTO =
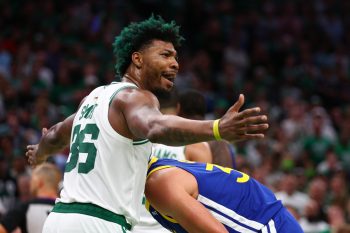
(136, 58)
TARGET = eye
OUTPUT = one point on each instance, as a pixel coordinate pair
(165, 54)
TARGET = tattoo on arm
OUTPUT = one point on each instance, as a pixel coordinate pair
(180, 136)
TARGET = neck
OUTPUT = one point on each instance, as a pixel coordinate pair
(130, 79)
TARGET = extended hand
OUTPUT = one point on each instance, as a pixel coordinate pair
(32, 152)
(237, 126)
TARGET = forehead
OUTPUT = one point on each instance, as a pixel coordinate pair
(159, 45)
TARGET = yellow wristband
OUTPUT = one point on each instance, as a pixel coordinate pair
(216, 130)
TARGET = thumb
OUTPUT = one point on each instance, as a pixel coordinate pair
(43, 131)
(239, 103)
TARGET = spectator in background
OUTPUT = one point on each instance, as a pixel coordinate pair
(294, 126)
(311, 221)
(23, 186)
(320, 124)
(342, 147)
(8, 187)
(317, 143)
(339, 192)
(30, 215)
(317, 191)
(336, 217)
(343, 229)
(290, 195)
(330, 165)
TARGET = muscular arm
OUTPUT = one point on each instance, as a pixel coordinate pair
(56, 138)
(140, 110)
(172, 192)
(52, 141)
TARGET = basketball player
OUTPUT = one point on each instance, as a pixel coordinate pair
(110, 133)
(206, 198)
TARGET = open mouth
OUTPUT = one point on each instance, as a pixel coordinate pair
(169, 76)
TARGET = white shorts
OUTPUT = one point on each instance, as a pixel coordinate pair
(79, 223)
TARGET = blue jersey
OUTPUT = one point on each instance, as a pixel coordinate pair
(238, 201)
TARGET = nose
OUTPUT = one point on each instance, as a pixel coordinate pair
(174, 65)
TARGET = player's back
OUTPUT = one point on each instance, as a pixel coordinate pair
(103, 165)
(236, 200)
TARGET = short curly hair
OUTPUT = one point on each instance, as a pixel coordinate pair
(137, 35)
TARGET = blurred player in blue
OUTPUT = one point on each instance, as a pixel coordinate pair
(193, 197)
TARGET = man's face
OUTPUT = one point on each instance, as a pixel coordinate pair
(159, 66)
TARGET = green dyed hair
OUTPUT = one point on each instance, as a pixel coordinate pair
(138, 35)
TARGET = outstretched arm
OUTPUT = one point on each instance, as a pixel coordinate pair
(172, 192)
(144, 120)
(52, 141)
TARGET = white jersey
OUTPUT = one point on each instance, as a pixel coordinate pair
(168, 152)
(105, 168)
(147, 223)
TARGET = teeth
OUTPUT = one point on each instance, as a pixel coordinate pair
(169, 77)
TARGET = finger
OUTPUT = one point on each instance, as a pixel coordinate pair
(239, 103)
(254, 129)
(251, 129)
(253, 120)
(254, 136)
(248, 113)
(28, 153)
(31, 162)
(44, 131)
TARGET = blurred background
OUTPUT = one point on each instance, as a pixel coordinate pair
(291, 58)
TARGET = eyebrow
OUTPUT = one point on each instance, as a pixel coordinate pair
(171, 51)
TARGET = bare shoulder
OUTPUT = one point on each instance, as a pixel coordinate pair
(160, 179)
(135, 96)
(128, 112)
(168, 185)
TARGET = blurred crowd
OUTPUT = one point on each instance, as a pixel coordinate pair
(291, 58)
